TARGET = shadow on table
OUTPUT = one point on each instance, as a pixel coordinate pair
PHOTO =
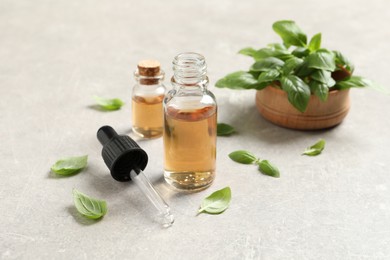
(251, 125)
(99, 108)
(53, 175)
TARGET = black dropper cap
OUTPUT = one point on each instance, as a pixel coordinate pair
(121, 154)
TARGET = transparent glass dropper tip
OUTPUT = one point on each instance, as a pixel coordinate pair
(164, 212)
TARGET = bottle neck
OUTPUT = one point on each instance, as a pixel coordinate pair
(149, 80)
(190, 70)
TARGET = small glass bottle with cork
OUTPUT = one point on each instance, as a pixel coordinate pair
(147, 99)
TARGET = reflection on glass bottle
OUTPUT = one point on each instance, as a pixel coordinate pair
(190, 122)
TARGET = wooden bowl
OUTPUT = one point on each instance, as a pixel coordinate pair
(274, 106)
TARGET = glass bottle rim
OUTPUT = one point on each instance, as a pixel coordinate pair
(189, 68)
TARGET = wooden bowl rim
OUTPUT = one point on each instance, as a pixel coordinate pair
(281, 91)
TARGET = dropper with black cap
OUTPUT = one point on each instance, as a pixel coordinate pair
(126, 161)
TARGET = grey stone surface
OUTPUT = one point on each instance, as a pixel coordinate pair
(55, 55)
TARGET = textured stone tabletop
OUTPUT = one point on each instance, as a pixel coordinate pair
(55, 55)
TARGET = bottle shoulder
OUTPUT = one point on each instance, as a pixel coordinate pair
(190, 100)
(149, 90)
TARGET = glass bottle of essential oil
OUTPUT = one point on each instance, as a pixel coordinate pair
(190, 124)
(147, 99)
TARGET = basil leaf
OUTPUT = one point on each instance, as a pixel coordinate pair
(224, 129)
(109, 104)
(343, 61)
(267, 64)
(300, 52)
(315, 149)
(290, 65)
(315, 42)
(297, 91)
(89, 207)
(319, 89)
(290, 33)
(217, 202)
(243, 157)
(247, 51)
(321, 60)
(277, 46)
(268, 76)
(323, 76)
(239, 80)
(70, 165)
(263, 53)
(303, 70)
(353, 81)
(267, 168)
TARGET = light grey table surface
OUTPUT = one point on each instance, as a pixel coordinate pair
(55, 55)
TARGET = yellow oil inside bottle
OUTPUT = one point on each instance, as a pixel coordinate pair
(147, 112)
(190, 147)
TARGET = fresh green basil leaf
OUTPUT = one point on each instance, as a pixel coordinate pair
(321, 90)
(323, 76)
(269, 76)
(217, 202)
(267, 64)
(238, 80)
(290, 33)
(277, 46)
(247, 51)
(315, 149)
(343, 61)
(315, 42)
(302, 70)
(268, 52)
(224, 129)
(263, 85)
(89, 207)
(70, 165)
(297, 91)
(353, 82)
(300, 52)
(255, 74)
(291, 64)
(109, 104)
(321, 60)
(243, 157)
(326, 51)
(269, 169)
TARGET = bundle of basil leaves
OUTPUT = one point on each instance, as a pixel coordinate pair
(300, 71)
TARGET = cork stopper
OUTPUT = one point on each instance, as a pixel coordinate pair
(149, 68)
(149, 72)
